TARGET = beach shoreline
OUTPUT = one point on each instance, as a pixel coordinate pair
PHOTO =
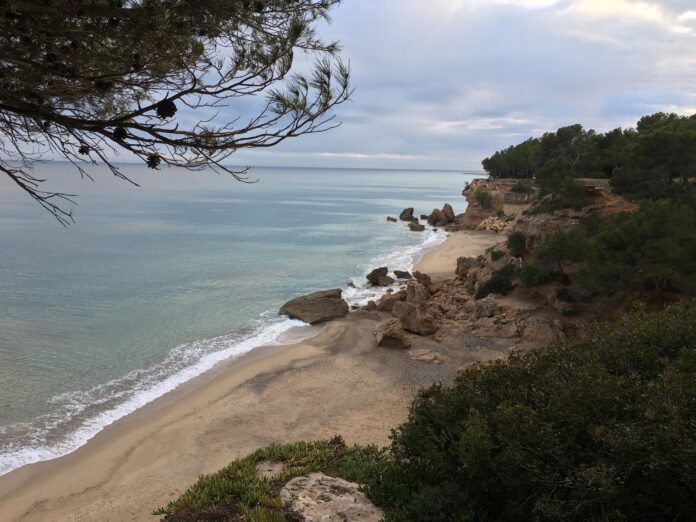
(333, 382)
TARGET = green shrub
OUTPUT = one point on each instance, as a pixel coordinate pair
(602, 429)
(521, 188)
(531, 274)
(517, 243)
(237, 493)
(500, 282)
(483, 198)
(497, 254)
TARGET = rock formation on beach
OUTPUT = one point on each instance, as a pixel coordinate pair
(318, 307)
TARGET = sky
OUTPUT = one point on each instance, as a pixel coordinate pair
(442, 84)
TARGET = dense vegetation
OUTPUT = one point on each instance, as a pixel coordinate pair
(598, 429)
(656, 160)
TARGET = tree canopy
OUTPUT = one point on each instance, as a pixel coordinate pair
(82, 80)
(655, 160)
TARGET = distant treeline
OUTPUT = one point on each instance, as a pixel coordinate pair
(656, 160)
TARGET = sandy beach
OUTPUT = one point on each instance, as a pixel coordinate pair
(337, 382)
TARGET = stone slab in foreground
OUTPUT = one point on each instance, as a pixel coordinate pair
(320, 498)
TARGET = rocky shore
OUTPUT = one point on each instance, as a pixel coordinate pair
(356, 377)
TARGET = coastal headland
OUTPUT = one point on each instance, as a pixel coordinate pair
(337, 382)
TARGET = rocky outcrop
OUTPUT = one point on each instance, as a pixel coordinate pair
(423, 279)
(320, 498)
(390, 333)
(414, 312)
(406, 214)
(386, 303)
(441, 217)
(317, 307)
(416, 227)
(490, 197)
(379, 277)
(464, 264)
(495, 224)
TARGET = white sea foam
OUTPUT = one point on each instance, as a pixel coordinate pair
(403, 259)
(79, 416)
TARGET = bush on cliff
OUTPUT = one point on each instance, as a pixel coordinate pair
(601, 429)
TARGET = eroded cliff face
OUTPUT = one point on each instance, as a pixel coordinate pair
(493, 202)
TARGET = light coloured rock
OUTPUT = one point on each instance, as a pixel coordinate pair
(494, 224)
(320, 498)
(416, 293)
(390, 333)
(428, 356)
(317, 307)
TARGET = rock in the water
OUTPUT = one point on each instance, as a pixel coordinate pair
(317, 307)
(320, 498)
(385, 280)
(423, 279)
(416, 227)
(414, 312)
(391, 219)
(390, 333)
(406, 214)
(373, 277)
(437, 218)
(464, 264)
(424, 217)
(401, 274)
(441, 217)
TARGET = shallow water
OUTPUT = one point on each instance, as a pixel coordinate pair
(156, 284)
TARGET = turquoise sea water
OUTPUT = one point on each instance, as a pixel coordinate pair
(154, 285)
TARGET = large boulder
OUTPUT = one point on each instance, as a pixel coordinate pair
(317, 307)
(402, 274)
(414, 312)
(373, 277)
(448, 212)
(390, 333)
(437, 218)
(406, 214)
(416, 227)
(319, 498)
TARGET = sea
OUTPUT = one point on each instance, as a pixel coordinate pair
(156, 284)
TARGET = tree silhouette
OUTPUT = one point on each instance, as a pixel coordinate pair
(83, 80)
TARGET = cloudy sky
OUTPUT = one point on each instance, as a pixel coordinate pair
(444, 83)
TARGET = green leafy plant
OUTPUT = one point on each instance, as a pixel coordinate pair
(517, 243)
(483, 198)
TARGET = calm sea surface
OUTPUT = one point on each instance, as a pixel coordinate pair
(154, 285)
